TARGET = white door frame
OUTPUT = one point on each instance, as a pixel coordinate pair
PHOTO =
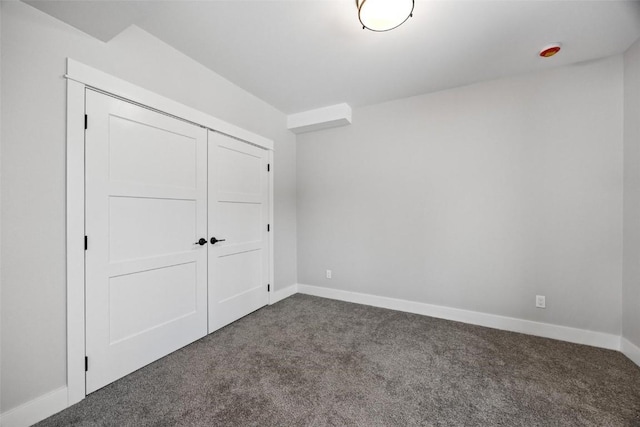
(79, 77)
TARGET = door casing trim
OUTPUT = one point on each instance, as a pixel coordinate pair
(79, 78)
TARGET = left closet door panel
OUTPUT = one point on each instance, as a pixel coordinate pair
(146, 209)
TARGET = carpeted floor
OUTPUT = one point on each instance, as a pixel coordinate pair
(308, 361)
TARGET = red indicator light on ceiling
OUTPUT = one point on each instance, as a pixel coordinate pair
(549, 51)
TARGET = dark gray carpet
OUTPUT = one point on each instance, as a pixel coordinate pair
(310, 361)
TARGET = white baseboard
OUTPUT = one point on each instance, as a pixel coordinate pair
(44, 406)
(55, 401)
(281, 294)
(563, 333)
(35, 410)
(630, 350)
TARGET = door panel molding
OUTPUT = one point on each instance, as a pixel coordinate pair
(79, 78)
(135, 314)
(239, 270)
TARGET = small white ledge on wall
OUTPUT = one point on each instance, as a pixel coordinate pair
(321, 118)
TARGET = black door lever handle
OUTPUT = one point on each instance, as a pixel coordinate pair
(214, 240)
(201, 242)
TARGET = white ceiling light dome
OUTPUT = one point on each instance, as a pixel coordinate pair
(384, 15)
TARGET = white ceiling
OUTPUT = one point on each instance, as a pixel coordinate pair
(299, 55)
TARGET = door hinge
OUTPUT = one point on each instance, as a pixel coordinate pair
(86, 363)
(268, 167)
(86, 121)
(268, 227)
(268, 288)
(86, 243)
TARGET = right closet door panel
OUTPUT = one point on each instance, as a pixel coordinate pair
(238, 268)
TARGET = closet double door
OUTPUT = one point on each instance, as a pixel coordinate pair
(176, 220)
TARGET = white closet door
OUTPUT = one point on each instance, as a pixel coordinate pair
(146, 278)
(238, 218)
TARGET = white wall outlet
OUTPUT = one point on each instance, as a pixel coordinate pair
(540, 301)
(328, 274)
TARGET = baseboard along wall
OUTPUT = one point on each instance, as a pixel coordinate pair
(36, 410)
(57, 400)
(546, 330)
(279, 295)
(630, 350)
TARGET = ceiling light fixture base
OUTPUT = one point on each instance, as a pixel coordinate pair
(384, 15)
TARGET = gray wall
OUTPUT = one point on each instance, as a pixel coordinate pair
(34, 48)
(477, 198)
(631, 279)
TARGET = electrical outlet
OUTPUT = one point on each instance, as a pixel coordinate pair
(328, 274)
(540, 301)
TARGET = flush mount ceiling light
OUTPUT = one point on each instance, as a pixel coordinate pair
(384, 15)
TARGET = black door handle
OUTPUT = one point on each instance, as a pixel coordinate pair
(201, 242)
(214, 240)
